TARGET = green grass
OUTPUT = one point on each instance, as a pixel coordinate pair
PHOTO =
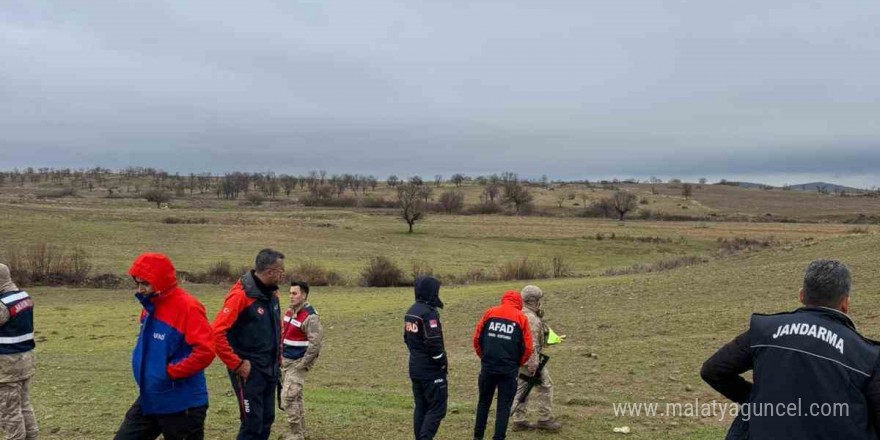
(649, 333)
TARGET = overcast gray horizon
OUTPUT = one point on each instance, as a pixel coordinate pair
(775, 92)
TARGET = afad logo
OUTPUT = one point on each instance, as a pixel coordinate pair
(260, 310)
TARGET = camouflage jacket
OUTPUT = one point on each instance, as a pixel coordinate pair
(539, 337)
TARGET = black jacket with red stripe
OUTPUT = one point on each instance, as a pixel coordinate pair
(502, 338)
(248, 327)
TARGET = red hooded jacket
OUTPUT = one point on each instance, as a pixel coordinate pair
(175, 344)
(502, 338)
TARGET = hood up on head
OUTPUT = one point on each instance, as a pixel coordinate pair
(512, 298)
(6, 284)
(156, 269)
(428, 291)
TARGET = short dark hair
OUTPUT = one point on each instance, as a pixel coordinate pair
(304, 286)
(266, 258)
(826, 283)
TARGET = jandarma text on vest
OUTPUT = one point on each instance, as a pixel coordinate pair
(722, 410)
(816, 331)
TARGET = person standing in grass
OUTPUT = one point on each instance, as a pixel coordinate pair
(423, 336)
(173, 348)
(542, 394)
(247, 335)
(302, 334)
(503, 342)
(17, 365)
(814, 375)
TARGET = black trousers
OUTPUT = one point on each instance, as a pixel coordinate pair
(506, 385)
(256, 403)
(430, 407)
(184, 425)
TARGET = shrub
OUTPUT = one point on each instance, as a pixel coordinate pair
(381, 272)
(420, 268)
(451, 201)
(254, 199)
(656, 267)
(522, 269)
(338, 202)
(485, 209)
(315, 275)
(559, 268)
(67, 191)
(220, 272)
(185, 221)
(736, 244)
(157, 196)
(44, 264)
(378, 202)
(858, 230)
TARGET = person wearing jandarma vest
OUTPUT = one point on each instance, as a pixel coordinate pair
(302, 335)
(814, 375)
(174, 346)
(247, 336)
(17, 366)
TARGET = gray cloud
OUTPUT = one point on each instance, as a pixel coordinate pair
(570, 89)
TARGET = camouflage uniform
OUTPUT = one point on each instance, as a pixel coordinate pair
(294, 377)
(541, 396)
(17, 419)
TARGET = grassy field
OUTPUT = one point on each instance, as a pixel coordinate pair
(634, 338)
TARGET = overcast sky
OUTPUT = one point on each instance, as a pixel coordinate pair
(780, 91)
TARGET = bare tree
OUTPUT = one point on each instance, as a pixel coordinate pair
(491, 191)
(426, 192)
(687, 190)
(622, 202)
(584, 199)
(409, 199)
(393, 180)
(560, 198)
(457, 179)
(416, 180)
(438, 179)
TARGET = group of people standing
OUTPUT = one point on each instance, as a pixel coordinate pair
(508, 339)
(268, 353)
(261, 349)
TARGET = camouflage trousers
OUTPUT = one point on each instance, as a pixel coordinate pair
(292, 400)
(17, 419)
(540, 398)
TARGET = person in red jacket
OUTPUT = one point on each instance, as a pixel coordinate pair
(174, 347)
(503, 342)
(247, 336)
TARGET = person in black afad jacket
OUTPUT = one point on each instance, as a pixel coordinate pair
(423, 335)
(814, 375)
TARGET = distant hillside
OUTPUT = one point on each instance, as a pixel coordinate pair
(810, 187)
(825, 186)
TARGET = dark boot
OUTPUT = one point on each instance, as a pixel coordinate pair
(549, 425)
(523, 426)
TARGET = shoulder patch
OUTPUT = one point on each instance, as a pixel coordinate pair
(311, 310)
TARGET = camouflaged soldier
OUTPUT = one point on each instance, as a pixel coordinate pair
(541, 396)
(17, 367)
(302, 334)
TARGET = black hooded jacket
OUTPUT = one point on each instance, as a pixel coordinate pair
(423, 333)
